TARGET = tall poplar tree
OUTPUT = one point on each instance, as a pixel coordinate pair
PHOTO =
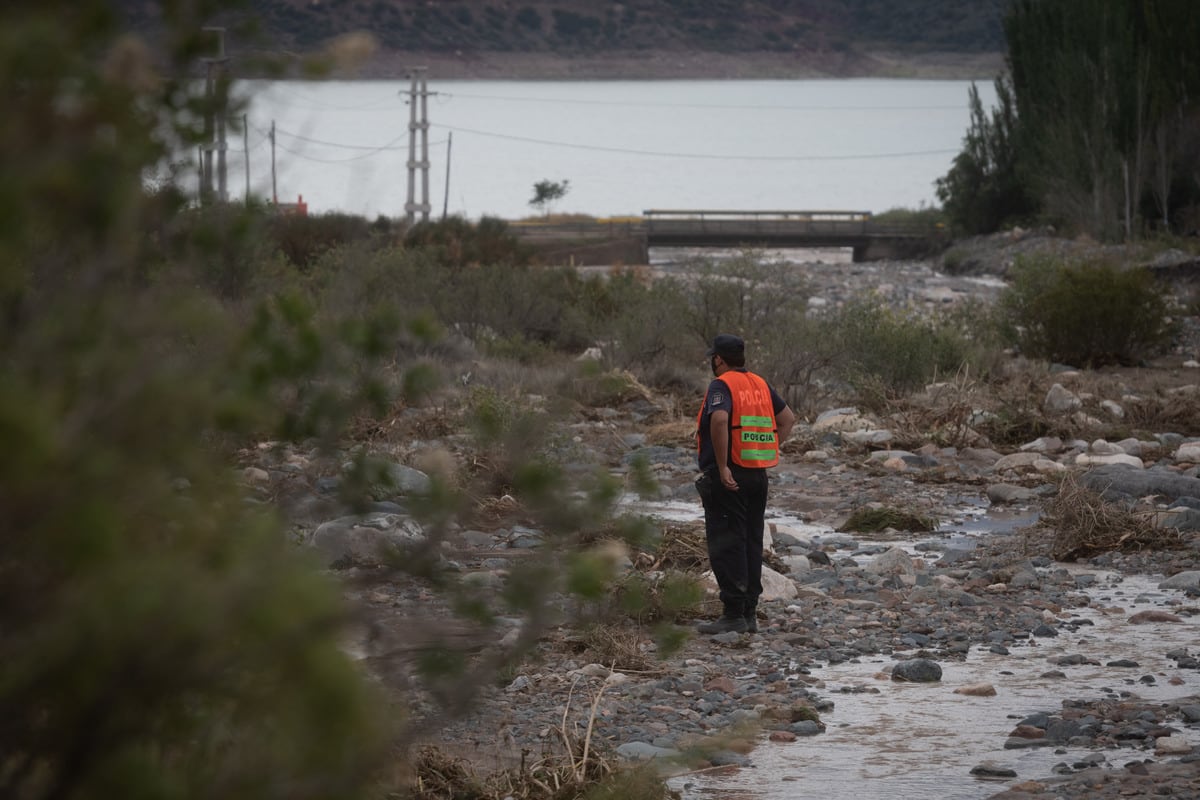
(1105, 113)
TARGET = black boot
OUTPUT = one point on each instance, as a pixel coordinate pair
(726, 624)
(750, 612)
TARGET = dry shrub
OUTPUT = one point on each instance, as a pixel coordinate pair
(618, 647)
(1178, 411)
(442, 777)
(495, 510)
(591, 387)
(940, 414)
(1085, 525)
(682, 548)
(653, 598)
(680, 433)
(576, 767)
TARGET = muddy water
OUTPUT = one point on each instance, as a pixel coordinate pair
(889, 740)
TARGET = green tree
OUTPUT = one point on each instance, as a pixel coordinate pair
(1101, 87)
(984, 189)
(546, 192)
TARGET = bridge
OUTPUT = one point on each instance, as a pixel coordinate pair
(869, 239)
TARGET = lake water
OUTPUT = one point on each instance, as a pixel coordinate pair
(624, 146)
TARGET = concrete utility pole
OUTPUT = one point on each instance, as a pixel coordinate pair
(446, 194)
(418, 87)
(214, 75)
(274, 186)
(246, 155)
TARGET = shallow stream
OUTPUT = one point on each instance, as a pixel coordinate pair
(886, 739)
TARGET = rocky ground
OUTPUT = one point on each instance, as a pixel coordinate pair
(833, 597)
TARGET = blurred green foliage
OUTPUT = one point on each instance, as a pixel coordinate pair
(160, 638)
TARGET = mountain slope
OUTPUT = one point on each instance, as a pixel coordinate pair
(797, 31)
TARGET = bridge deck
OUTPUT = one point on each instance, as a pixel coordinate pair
(724, 228)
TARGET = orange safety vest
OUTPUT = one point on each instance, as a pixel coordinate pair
(752, 441)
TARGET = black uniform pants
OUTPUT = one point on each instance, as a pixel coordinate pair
(733, 530)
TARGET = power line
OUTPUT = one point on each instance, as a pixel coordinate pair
(307, 157)
(370, 150)
(319, 105)
(700, 156)
(716, 106)
(373, 148)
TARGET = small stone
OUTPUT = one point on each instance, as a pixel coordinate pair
(1028, 732)
(977, 690)
(989, 770)
(722, 684)
(782, 736)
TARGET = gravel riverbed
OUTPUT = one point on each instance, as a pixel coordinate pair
(847, 615)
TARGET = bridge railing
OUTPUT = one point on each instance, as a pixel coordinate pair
(753, 223)
(609, 227)
(726, 223)
(778, 223)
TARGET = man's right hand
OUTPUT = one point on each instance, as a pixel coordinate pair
(727, 478)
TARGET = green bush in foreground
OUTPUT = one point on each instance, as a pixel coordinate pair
(1084, 314)
(160, 637)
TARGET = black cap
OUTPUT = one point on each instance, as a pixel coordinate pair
(726, 344)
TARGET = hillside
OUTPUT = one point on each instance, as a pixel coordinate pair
(642, 38)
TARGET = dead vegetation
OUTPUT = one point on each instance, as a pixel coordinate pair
(575, 766)
(618, 647)
(682, 548)
(940, 414)
(1085, 525)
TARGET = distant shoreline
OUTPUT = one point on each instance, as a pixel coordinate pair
(661, 65)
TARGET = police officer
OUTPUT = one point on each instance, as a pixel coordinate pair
(738, 433)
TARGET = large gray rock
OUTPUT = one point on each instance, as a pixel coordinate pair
(775, 586)
(1046, 444)
(1188, 452)
(840, 420)
(1117, 482)
(1115, 459)
(1018, 461)
(1181, 518)
(892, 562)
(408, 480)
(658, 454)
(369, 540)
(1060, 400)
(1182, 580)
(917, 670)
(1002, 493)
